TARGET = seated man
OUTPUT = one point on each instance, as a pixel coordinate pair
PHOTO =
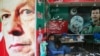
(55, 47)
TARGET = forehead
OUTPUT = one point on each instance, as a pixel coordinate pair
(11, 5)
(14, 3)
(96, 10)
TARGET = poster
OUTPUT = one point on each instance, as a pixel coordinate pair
(17, 25)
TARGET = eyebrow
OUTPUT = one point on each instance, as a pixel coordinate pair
(4, 10)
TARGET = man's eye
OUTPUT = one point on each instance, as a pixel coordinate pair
(5, 16)
(97, 13)
(26, 11)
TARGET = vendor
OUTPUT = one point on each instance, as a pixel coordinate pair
(55, 47)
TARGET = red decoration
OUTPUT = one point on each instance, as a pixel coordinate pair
(68, 1)
(57, 27)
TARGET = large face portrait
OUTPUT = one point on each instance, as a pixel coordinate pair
(18, 26)
(76, 24)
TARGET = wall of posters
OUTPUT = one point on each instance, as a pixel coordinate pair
(73, 14)
(82, 36)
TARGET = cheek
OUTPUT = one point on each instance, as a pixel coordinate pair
(6, 26)
(31, 26)
(98, 16)
(92, 15)
(31, 22)
(4, 30)
(8, 41)
(31, 29)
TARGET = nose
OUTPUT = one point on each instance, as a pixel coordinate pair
(16, 29)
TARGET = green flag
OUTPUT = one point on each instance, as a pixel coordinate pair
(0, 20)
